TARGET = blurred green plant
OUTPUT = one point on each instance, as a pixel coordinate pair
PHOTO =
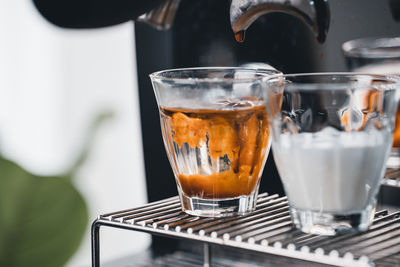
(42, 219)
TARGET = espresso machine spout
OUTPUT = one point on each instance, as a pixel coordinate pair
(315, 13)
(162, 16)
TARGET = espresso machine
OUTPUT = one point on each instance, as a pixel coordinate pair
(293, 36)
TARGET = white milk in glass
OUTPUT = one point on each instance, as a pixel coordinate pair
(332, 171)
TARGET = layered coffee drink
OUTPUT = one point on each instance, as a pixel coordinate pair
(215, 130)
(217, 153)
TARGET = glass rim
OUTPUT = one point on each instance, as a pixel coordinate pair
(373, 47)
(391, 79)
(159, 75)
(339, 74)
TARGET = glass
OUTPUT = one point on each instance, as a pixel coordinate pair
(331, 137)
(377, 56)
(215, 131)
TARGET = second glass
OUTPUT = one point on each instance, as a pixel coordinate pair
(378, 56)
(215, 130)
(331, 137)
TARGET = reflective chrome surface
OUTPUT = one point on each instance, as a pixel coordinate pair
(315, 14)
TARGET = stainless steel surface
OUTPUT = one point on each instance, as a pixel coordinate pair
(267, 230)
(162, 17)
(315, 13)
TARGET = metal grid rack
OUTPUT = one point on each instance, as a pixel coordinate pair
(267, 230)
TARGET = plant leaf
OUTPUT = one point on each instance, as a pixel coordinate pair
(42, 219)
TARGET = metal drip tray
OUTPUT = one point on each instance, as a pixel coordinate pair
(267, 230)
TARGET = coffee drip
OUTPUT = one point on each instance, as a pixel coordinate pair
(315, 14)
(239, 36)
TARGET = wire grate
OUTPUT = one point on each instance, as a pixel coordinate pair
(268, 230)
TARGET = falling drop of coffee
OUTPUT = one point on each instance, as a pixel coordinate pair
(239, 36)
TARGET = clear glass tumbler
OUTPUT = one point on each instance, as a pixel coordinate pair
(331, 137)
(215, 131)
(377, 56)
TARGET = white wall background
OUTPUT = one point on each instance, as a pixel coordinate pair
(53, 82)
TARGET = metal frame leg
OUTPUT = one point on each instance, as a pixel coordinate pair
(207, 255)
(95, 241)
(95, 244)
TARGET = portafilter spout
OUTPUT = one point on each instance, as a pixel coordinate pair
(315, 13)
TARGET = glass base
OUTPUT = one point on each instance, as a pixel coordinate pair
(326, 223)
(218, 207)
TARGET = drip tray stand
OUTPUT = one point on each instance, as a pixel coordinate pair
(95, 240)
(267, 230)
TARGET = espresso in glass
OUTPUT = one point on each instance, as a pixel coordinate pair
(226, 148)
(215, 130)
